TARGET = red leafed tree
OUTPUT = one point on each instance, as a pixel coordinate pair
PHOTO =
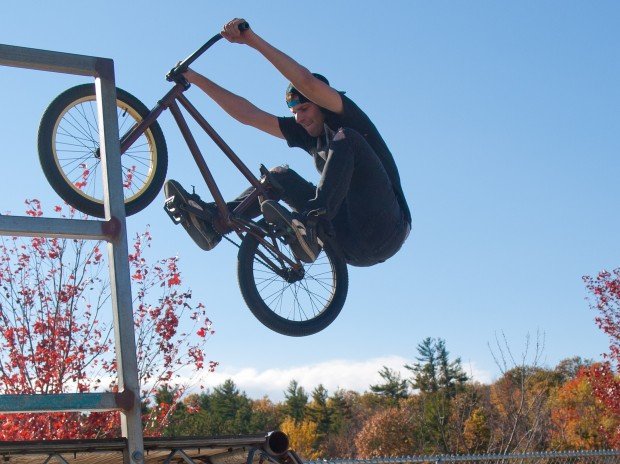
(605, 299)
(56, 332)
(580, 419)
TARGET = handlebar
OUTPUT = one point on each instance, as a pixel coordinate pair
(175, 74)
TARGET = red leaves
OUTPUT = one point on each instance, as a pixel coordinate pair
(174, 280)
(605, 289)
(56, 329)
(213, 365)
(606, 386)
(129, 175)
(34, 209)
(85, 175)
(56, 426)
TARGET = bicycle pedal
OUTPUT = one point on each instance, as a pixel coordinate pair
(173, 211)
(287, 234)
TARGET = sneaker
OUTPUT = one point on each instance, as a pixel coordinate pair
(198, 225)
(304, 244)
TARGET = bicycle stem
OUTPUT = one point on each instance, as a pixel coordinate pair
(180, 68)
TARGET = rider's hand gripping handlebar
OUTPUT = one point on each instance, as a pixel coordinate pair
(176, 73)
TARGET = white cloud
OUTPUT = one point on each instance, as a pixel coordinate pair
(477, 374)
(332, 374)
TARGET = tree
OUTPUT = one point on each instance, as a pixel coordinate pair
(230, 409)
(343, 426)
(605, 299)
(425, 375)
(469, 420)
(295, 402)
(223, 411)
(266, 416)
(438, 380)
(394, 388)
(391, 432)
(476, 431)
(434, 371)
(319, 412)
(56, 335)
(520, 418)
(570, 368)
(302, 437)
(580, 419)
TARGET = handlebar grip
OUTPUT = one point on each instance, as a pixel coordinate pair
(244, 26)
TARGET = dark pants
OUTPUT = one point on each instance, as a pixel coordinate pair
(357, 194)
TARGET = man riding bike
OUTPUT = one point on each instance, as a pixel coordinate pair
(358, 198)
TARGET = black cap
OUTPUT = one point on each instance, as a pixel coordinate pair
(294, 97)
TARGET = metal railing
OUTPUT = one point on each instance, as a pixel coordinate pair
(551, 457)
(113, 230)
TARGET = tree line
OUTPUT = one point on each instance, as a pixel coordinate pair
(437, 409)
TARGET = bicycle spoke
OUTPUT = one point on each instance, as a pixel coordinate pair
(297, 302)
(135, 173)
(85, 123)
(63, 131)
(93, 113)
(92, 128)
(78, 127)
(146, 162)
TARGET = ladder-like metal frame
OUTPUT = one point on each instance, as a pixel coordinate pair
(112, 230)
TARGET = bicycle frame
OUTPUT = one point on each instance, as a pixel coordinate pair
(169, 101)
(226, 219)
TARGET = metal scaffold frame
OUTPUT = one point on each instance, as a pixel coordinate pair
(112, 230)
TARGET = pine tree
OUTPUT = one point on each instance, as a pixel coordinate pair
(295, 403)
(438, 380)
(230, 409)
(320, 412)
(394, 388)
(434, 371)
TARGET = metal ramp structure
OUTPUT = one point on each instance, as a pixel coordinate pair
(250, 449)
(132, 448)
(112, 230)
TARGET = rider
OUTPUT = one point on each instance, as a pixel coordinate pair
(359, 195)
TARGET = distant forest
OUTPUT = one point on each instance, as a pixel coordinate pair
(438, 409)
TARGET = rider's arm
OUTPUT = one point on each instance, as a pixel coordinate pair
(301, 78)
(237, 107)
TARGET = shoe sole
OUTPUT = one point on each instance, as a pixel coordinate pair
(310, 256)
(190, 222)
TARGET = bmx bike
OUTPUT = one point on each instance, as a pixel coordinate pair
(286, 295)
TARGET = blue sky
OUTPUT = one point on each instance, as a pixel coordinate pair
(504, 121)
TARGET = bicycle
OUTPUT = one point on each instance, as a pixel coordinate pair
(286, 295)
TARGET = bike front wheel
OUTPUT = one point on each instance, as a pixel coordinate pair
(292, 302)
(68, 144)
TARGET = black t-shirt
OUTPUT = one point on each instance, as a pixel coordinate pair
(354, 118)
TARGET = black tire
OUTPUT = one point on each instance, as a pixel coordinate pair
(294, 309)
(68, 145)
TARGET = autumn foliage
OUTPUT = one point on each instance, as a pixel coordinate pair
(580, 419)
(605, 299)
(391, 432)
(56, 334)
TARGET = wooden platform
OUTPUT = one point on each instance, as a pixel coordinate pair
(211, 450)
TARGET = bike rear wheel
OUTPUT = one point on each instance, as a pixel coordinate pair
(290, 303)
(68, 145)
